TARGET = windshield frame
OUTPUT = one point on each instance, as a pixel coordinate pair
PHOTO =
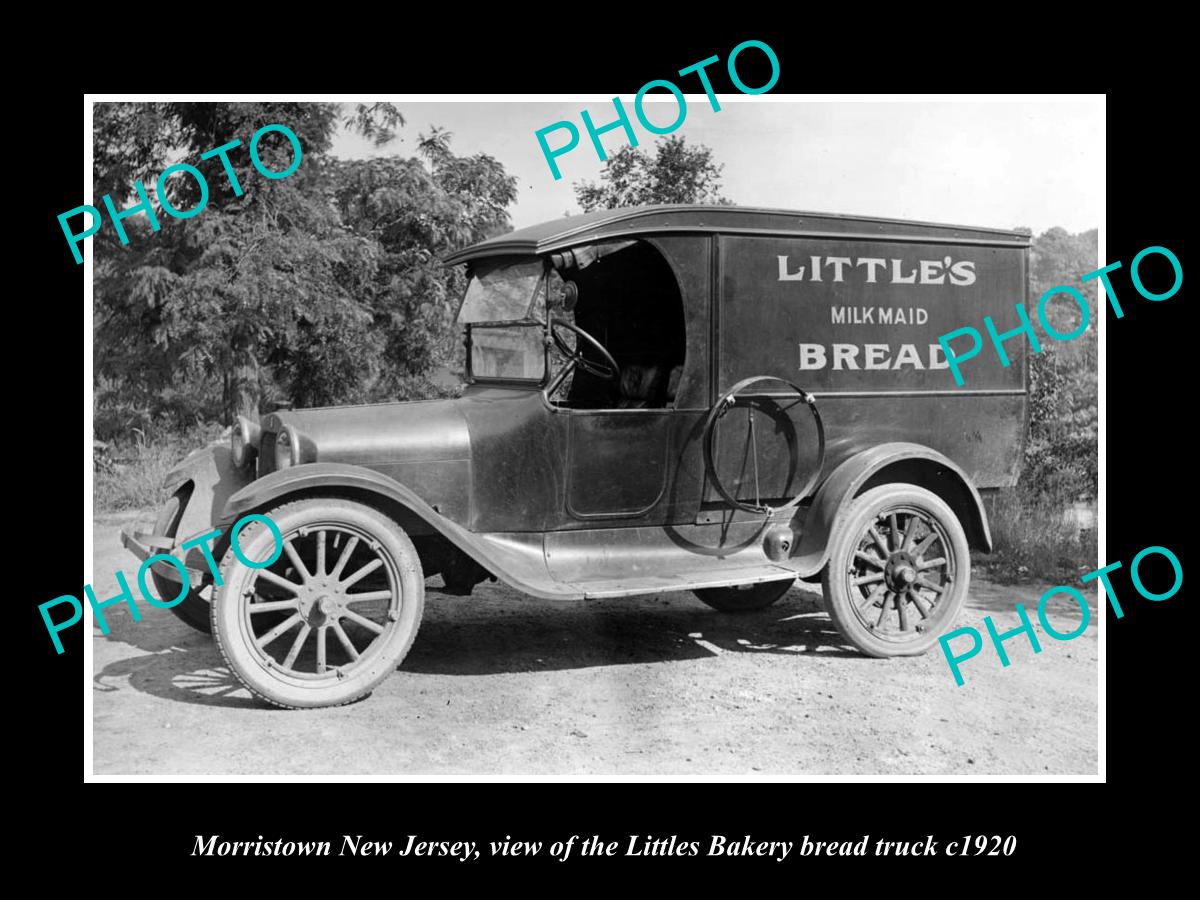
(472, 378)
(493, 265)
(529, 321)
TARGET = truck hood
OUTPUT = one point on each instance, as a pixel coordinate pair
(377, 434)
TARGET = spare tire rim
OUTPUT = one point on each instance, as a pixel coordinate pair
(737, 396)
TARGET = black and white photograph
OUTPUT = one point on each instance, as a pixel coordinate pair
(672, 437)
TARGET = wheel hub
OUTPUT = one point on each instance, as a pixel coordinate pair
(317, 608)
(900, 571)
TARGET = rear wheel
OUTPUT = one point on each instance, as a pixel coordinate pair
(744, 598)
(349, 586)
(194, 608)
(898, 571)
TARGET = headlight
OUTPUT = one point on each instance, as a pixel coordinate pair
(285, 449)
(245, 439)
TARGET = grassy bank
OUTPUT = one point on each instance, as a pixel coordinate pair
(1033, 542)
(129, 472)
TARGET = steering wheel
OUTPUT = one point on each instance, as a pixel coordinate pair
(606, 368)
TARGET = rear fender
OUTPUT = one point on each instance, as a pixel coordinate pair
(884, 464)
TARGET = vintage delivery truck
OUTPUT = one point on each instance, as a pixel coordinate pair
(675, 398)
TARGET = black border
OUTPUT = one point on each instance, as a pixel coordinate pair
(1148, 454)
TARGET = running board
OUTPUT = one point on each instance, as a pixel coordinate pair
(652, 584)
(623, 562)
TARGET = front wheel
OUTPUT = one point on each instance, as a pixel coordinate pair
(349, 586)
(898, 571)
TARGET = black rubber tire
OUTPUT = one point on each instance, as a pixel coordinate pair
(193, 609)
(851, 527)
(270, 682)
(748, 598)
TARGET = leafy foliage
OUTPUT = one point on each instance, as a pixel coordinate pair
(322, 287)
(1061, 451)
(1045, 527)
(675, 173)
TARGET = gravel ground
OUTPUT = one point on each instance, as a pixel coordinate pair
(502, 684)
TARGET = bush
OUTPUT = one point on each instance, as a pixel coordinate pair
(1060, 466)
(1031, 535)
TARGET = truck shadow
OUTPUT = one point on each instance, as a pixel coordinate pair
(496, 632)
(506, 636)
(187, 668)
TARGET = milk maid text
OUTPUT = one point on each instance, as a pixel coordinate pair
(875, 270)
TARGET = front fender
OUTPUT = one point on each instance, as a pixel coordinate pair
(519, 565)
(316, 478)
(210, 479)
(892, 462)
(202, 483)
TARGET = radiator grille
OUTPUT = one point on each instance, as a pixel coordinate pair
(266, 453)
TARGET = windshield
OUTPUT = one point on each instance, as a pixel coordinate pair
(504, 319)
(500, 290)
(508, 352)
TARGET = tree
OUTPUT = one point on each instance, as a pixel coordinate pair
(676, 173)
(321, 287)
(412, 215)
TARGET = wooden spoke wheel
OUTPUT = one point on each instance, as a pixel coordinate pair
(898, 571)
(331, 616)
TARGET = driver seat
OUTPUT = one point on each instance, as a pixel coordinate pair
(642, 386)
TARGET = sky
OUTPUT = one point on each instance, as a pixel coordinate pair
(1002, 164)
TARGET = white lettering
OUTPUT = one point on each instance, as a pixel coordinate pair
(838, 262)
(844, 356)
(872, 265)
(877, 355)
(908, 356)
(929, 269)
(963, 270)
(358, 847)
(812, 356)
(925, 271)
(785, 275)
(897, 278)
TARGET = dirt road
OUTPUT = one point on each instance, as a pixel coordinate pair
(501, 684)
